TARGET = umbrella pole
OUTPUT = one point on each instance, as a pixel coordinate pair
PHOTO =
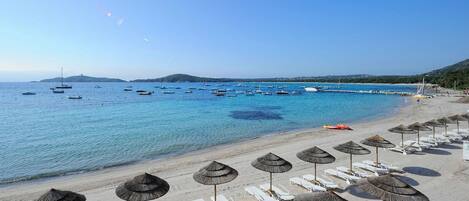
(457, 124)
(418, 137)
(215, 192)
(446, 130)
(315, 172)
(377, 161)
(351, 162)
(402, 140)
(433, 132)
(270, 182)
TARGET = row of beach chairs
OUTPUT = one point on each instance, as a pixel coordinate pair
(428, 142)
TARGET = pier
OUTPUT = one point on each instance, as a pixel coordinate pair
(400, 93)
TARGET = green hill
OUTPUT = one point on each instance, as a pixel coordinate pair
(83, 78)
(453, 76)
(185, 78)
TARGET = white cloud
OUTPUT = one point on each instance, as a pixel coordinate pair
(146, 40)
(109, 14)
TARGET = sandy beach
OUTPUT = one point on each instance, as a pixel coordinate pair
(440, 173)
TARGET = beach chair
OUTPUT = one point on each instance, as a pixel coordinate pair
(377, 171)
(384, 165)
(219, 198)
(429, 140)
(452, 138)
(349, 179)
(259, 194)
(322, 182)
(407, 149)
(199, 200)
(306, 184)
(438, 140)
(356, 173)
(278, 193)
(462, 134)
(418, 146)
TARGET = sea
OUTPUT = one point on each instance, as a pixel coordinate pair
(48, 135)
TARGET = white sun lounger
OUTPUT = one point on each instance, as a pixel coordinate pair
(462, 134)
(419, 147)
(452, 138)
(349, 179)
(220, 198)
(430, 140)
(306, 184)
(357, 173)
(407, 149)
(325, 183)
(277, 191)
(377, 171)
(259, 194)
(438, 140)
(387, 166)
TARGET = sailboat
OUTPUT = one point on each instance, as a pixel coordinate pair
(421, 90)
(62, 85)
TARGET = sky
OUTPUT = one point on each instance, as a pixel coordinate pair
(235, 38)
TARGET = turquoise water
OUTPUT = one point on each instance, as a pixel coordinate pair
(49, 135)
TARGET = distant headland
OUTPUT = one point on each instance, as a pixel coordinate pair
(83, 78)
(452, 76)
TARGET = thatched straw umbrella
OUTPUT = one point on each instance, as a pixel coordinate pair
(271, 163)
(445, 121)
(417, 126)
(319, 196)
(215, 174)
(389, 187)
(401, 129)
(58, 195)
(143, 187)
(352, 148)
(434, 123)
(317, 156)
(377, 142)
(457, 118)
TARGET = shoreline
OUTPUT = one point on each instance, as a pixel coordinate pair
(76, 173)
(99, 185)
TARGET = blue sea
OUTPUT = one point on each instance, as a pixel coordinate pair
(48, 135)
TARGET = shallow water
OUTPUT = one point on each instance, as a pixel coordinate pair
(49, 135)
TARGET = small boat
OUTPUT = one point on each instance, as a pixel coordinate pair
(62, 85)
(140, 91)
(311, 89)
(177, 87)
(56, 91)
(168, 92)
(220, 94)
(146, 93)
(296, 93)
(338, 127)
(188, 92)
(267, 93)
(282, 92)
(258, 91)
(75, 97)
(128, 89)
(28, 93)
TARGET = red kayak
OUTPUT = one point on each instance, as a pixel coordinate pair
(338, 127)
